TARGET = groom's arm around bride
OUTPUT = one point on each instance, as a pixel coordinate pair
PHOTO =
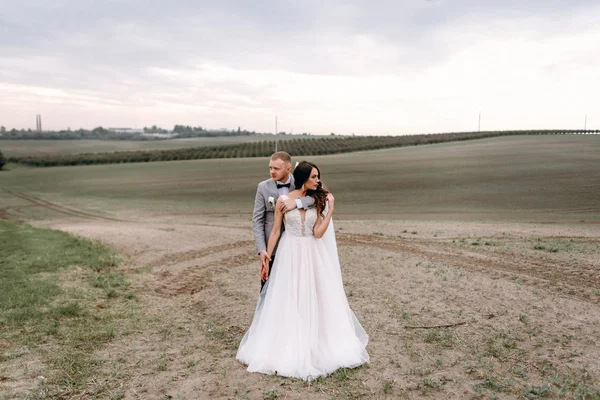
(268, 191)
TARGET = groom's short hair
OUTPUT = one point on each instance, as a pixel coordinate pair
(282, 155)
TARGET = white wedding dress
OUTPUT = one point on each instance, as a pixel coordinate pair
(303, 326)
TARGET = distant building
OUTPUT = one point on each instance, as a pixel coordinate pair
(125, 130)
(160, 135)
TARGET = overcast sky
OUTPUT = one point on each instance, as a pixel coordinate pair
(364, 67)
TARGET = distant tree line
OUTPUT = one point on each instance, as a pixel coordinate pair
(295, 147)
(197, 131)
(100, 133)
(155, 129)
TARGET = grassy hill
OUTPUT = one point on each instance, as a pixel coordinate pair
(519, 178)
(297, 146)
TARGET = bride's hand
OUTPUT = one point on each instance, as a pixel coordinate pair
(330, 200)
(264, 270)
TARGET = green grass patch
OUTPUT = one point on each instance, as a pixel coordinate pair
(50, 315)
(439, 337)
(26, 252)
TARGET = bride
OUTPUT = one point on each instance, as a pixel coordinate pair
(303, 326)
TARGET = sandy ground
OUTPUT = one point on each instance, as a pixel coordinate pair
(523, 301)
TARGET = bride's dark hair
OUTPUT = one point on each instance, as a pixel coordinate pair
(301, 175)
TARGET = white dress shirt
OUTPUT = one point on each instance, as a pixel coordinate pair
(284, 190)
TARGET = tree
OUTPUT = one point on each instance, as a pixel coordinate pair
(2, 160)
(155, 129)
(99, 131)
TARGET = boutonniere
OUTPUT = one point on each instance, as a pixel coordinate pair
(271, 201)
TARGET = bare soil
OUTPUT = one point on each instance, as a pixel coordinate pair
(522, 302)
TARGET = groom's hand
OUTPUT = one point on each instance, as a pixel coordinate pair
(288, 205)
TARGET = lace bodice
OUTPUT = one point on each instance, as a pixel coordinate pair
(296, 226)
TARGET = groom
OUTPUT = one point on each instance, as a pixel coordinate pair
(267, 193)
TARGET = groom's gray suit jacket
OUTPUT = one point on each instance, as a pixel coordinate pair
(264, 213)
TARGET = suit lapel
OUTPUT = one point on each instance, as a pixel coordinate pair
(272, 187)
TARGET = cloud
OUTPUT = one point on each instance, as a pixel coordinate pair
(393, 67)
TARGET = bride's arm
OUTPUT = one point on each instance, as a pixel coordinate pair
(323, 222)
(276, 231)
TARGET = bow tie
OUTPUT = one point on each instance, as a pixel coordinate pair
(280, 185)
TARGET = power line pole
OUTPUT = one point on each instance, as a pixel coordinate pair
(585, 123)
(479, 123)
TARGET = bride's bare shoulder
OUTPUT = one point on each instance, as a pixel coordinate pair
(294, 194)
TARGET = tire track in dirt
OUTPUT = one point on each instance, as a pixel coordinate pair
(582, 210)
(4, 213)
(195, 278)
(175, 258)
(243, 228)
(548, 272)
(58, 208)
(575, 275)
